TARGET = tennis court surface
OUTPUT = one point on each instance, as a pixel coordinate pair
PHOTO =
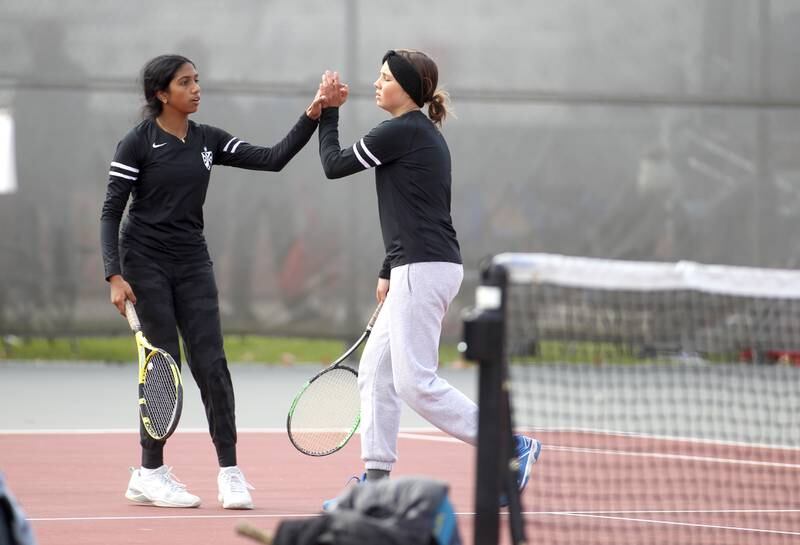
(71, 487)
(666, 397)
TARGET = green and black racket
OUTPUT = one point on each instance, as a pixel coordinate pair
(327, 411)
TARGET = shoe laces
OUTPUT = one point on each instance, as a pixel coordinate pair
(171, 481)
(235, 482)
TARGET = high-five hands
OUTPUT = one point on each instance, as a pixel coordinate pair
(335, 91)
(332, 93)
(314, 109)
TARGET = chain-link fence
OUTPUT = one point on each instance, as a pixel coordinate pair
(659, 130)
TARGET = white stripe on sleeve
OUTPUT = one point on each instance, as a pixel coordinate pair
(233, 149)
(228, 144)
(363, 145)
(112, 173)
(124, 167)
(360, 159)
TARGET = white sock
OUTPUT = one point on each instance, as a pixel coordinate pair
(223, 469)
(146, 472)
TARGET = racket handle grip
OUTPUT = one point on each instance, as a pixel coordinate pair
(133, 318)
(374, 316)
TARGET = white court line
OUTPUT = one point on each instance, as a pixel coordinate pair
(679, 438)
(590, 514)
(411, 430)
(435, 438)
(662, 512)
(56, 431)
(606, 452)
(104, 431)
(414, 433)
(665, 438)
(667, 456)
(161, 517)
(688, 524)
(184, 517)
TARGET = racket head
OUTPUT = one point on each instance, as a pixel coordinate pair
(160, 394)
(326, 412)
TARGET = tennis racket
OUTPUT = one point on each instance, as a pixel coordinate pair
(327, 411)
(160, 386)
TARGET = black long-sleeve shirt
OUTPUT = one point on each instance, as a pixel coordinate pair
(168, 180)
(412, 178)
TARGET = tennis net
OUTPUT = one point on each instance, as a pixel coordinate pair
(665, 394)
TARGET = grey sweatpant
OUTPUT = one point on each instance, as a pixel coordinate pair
(400, 361)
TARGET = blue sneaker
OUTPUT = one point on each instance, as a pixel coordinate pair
(331, 504)
(528, 451)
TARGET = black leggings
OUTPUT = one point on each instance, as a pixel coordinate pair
(182, 297)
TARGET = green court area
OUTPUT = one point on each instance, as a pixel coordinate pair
(238, 348)
(289, 350)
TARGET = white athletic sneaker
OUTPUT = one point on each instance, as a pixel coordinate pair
(159, 488)
(233, 489)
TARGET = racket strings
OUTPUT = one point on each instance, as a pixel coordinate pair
(160, 393)
(327, 412)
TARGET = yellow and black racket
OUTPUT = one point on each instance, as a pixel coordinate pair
(327, 411)
(160, 386)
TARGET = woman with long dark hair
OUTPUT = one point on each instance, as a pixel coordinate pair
(422, 261)
(161, 263)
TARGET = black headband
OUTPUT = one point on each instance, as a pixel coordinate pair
(406, 75)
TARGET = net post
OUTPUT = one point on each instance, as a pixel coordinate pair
(484, 342)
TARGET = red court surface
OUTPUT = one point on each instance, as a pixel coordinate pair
(586, 488)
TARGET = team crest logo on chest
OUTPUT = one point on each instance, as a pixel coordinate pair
(208, 157)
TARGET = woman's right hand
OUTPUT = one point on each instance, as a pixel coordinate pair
(335, 91)
(382, 289)
(120, 292)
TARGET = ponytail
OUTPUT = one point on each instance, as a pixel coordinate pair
(437, 98)
(439, 107)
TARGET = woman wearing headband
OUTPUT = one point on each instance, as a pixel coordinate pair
(422, 262)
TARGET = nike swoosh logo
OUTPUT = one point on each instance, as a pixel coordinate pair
(159, 145)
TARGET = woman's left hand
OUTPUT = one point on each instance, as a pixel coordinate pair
(315, 108)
